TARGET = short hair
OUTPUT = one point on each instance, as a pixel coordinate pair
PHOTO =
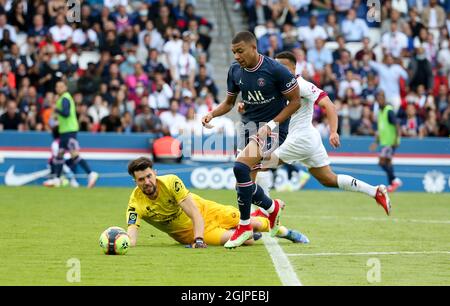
(139, 164)
(287, 55)
(244, 36)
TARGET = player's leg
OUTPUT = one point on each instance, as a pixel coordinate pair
(328, 178)
(76, 159)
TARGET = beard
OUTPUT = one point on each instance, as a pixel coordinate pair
(149, 190)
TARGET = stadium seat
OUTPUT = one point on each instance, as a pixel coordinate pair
(374, 35)
(88, 57)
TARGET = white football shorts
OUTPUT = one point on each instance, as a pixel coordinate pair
(305, 147)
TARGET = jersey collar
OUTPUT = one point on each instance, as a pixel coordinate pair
(261, 59)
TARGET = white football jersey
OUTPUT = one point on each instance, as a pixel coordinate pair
(310, 94)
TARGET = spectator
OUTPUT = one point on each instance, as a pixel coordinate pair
(18, 16)
(341, 48)
(430, 127)
(127, 123)
(414, 22)
(321, 6)
(173, 49)
(38, 29)
(89, 83)
(153, 64)
(342, 6)
(97, 111)
(366, 125)
(420, 71)
(284, 12)
(159, 99)
(319, 55)
(164, 20)
(328, 82)
(154, 41)
(61, 32)
(394, 41)
(85, 121)
(173, 121)
(303, 67)
(410, 125)
(147, 121)
(203, 61)
(390, 75)
(263, 41)
(433, 16)
(112, 122)
(186, 65)
(401, 6)
(203, 81)
(353, 28)
(351, 81)
(274, 46)
(11, 119)
(259, 13)
(343, 64)
(289, 37)
(332, 27)
(5, 26)
(441, 98)
(366, 50)
(85, 37)
(308, 35)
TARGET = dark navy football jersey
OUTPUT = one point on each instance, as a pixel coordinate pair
(262, 90)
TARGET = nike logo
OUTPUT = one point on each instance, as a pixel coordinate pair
(12, 179)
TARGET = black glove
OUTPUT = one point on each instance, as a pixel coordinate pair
(199, 243)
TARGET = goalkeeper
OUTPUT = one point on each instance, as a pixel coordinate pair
(165, 203)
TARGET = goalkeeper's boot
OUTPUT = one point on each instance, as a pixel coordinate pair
(382, 199)
(296, 237)
(240, 235)
(274, 217)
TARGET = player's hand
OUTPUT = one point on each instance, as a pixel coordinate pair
(241, 107)
(335, 142)
(206, 121)
(373, 146)
(199, 244)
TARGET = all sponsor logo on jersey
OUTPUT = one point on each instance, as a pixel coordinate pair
(261, 82)
(255, 96)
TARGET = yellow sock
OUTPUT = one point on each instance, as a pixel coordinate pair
(265, 224)
(282, 231)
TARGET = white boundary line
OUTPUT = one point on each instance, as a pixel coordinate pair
(369, 253)
(283, 266)
(370, 219)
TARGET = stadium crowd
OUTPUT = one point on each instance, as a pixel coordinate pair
(132, 66)
(353, 49)
(143, 66)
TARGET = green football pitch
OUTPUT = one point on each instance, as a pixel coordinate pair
(49, 232)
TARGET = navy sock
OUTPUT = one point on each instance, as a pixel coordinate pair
(58, 166)
(245, 188)
(260, 198)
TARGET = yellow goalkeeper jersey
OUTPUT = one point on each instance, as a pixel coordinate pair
(164, 212)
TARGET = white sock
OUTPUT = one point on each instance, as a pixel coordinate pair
(244, 222)
(272, 208)
(349, 183)
(264, 180)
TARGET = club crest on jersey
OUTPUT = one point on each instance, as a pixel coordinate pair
(261, 82)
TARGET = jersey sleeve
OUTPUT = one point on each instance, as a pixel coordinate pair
(311, 92)
(232, 89)
(179, 191)
(285, 80)
(132, 215)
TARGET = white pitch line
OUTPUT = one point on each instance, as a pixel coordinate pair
(281, 262)
(370, 219)
(369, 253)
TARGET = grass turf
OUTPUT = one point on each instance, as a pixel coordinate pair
(47, 227)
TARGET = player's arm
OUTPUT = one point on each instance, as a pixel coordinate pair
(223, 108)
(332, 117)
(192, 211)
(133, 234)
(133, 222)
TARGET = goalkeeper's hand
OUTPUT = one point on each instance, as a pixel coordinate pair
(199, 244)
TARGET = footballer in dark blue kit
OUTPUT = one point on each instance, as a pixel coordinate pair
(266, 87)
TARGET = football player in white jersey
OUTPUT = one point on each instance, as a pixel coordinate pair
(304, 144)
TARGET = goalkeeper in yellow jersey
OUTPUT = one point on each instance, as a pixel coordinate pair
(165, 203)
